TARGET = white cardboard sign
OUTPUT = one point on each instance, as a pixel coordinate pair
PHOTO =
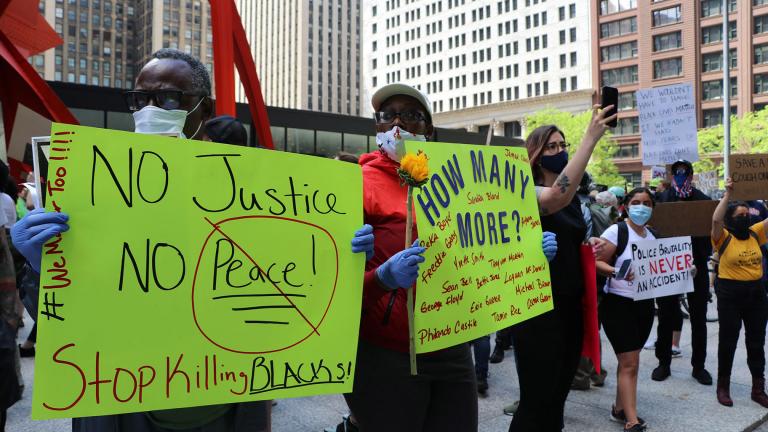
(668, 124)
(662, 267)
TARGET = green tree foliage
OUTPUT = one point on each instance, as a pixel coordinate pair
(601, 165)
(749, 134)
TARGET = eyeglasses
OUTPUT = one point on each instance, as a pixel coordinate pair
(165, 99)
(385, 117)
(555, 146)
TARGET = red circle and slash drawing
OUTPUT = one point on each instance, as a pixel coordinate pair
(276, 291)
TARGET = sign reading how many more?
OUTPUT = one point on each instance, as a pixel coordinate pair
(485, 269)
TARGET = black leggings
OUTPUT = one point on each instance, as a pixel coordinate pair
(442, 397)
(739, 302)
(504, 338)
(670, 320)
(548, 349)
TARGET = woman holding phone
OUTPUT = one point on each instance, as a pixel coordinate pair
(548, 347)
(627, 322)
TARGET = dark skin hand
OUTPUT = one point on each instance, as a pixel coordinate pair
(403, 103)
(175, 74)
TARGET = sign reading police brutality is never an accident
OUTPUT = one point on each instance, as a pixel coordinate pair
(668, 124)
(662, 267)
(485, 269)
(194, 274)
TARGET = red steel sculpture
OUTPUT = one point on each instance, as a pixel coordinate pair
(24, 32)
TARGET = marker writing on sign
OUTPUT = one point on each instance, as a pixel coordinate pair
(176, 374)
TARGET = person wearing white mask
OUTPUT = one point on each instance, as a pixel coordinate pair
(172, 96)
(443, 395)
(626, 322)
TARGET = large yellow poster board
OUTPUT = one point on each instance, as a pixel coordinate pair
(485, 269)
(193, 274)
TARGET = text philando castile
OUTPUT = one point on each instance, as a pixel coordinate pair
(508, 288)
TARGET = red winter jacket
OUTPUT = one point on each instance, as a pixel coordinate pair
(384, 319)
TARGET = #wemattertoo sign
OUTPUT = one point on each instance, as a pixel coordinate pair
(485, 269)
(194, 274)
(668, 124)
(662, 267)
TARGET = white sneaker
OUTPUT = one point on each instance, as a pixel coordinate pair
(650, 345)
(676, 352)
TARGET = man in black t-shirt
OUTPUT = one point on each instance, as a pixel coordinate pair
(669, 309)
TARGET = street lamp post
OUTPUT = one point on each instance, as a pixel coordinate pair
(726, 94)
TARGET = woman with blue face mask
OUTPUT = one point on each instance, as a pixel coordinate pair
(627, 322)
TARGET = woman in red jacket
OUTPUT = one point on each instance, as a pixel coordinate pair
(386, 397)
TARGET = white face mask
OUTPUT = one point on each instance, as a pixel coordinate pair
(154, 120)
(392, 142)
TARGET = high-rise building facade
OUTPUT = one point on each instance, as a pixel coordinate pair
(641, 44)
(98, 42)
(483, 63)
(307, 53)
(107, 42)
(181, 24)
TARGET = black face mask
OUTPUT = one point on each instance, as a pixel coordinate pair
(739, 227)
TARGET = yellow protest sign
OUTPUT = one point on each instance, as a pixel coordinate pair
(485, 269)
(194, 274)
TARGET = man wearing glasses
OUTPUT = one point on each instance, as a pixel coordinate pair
(443, 395)
(172, 96)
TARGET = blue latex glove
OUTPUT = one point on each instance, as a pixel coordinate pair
(549, 244)
(363, 241)
(402, 268)
(34, 230)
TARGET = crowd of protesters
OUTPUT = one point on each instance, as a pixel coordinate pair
(173, 95)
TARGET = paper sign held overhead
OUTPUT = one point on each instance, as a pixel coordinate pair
(668, 124)
(750, 176)
(194, 274)
(485, 269)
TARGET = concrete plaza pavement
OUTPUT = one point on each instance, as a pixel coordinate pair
(677, 404)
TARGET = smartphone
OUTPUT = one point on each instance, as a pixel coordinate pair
(623, 270)
(610, 96)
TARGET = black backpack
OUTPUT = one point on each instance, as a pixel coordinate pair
(728, 240)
